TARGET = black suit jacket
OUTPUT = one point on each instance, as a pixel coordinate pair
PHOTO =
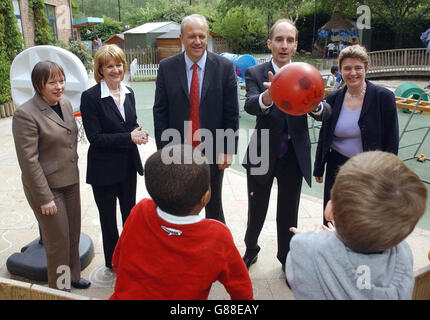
(378, 123)
(275, 121)
(219, 105)
(111, 149)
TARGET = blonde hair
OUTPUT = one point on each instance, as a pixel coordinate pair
(355, 52)
(377, 201)
(103, 55)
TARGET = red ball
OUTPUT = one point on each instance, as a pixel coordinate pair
(297, 88)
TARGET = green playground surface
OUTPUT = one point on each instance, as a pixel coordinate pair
(145, 92)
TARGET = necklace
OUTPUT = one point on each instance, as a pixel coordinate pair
(116, 90)
(361, 94)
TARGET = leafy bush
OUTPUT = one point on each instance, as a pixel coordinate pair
(11, 44)
(42, 32)
(244, 28)
(79, 49)
(5, 94)
(10, 35)
(105, 30)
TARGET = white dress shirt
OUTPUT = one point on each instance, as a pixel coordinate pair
(200, 71)
(106, 92)
(178, 219)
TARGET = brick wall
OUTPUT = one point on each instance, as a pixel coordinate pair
(62, 16)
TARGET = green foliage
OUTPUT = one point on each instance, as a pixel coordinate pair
(5, 94)
(42, 32)
(104, 30)
(12, 37)
(11, 44)
(244, 29)
(80, 50)
(161, 10)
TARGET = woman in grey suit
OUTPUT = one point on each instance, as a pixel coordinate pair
(45, 135)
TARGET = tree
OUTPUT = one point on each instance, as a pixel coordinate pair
(105, 30)
(11, 44)
(12, 37)
(243, 28)
(272, 9)
(398, 14)
(42, 32)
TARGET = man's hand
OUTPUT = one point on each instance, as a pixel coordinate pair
(224, 161)
(319, 179)
(49, 208)
(267, 97)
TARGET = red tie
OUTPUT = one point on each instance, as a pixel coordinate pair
(194, 109)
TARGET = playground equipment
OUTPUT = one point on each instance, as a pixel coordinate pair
(23, 64)
(240, 63)
(419, 106)
(409, 90)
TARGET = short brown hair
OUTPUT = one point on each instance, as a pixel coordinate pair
(102, 57)
(279, 21)
(355, 52)
(377, 201)
(41, 73)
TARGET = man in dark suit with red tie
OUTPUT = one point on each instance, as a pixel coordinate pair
(283, 144)
(197, 89)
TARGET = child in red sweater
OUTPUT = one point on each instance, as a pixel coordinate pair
(166, 250)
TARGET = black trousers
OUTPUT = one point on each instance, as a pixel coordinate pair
(106, 201)
(334, 161)
(214, 208)
(289, 178)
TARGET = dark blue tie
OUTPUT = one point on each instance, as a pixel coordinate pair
(284, 141)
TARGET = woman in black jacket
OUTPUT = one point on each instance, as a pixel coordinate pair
(364, 117)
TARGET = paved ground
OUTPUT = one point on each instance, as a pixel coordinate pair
(18, 226)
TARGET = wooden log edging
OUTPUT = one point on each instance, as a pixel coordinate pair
(7, 109)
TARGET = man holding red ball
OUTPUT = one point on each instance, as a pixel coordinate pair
(288, 143)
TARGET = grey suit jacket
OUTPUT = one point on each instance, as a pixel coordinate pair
(46, 147)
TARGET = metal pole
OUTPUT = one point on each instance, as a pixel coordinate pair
(313, 32)
(119, 11)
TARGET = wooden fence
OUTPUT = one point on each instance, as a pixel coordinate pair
(400, 61)
(143, 56)
(7, 109)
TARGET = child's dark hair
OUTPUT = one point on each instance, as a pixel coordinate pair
(334, 69)
(176, 178)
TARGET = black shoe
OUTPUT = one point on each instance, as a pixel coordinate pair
(249, 260)
(81, 284)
